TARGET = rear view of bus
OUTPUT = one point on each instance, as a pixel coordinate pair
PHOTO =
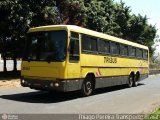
(44, 60)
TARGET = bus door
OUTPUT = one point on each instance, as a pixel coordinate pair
(74, 56)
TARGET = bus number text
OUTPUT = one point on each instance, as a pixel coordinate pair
(110, 60)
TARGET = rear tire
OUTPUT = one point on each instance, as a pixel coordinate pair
(136, 79)
(130, 81)
(87, 87)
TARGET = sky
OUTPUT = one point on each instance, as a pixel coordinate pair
(151, 8)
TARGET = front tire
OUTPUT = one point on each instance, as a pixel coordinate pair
(87, 87)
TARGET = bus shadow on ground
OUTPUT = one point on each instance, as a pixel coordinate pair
(9, 75)
(56, 97)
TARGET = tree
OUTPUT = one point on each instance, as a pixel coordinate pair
(17, 16)
(21, 15)
(122, 18)
(5, 11)
(71, 12)
(43, 12)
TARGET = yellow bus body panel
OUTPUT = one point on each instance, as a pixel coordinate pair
(124, 66)
(44, 70)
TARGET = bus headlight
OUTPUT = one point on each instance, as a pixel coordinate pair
(56, 84)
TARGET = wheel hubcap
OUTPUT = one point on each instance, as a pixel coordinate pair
(130, 81)
(88, 87)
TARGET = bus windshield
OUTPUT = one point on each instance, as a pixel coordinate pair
(46, 46)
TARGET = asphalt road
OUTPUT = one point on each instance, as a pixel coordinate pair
(109, 100)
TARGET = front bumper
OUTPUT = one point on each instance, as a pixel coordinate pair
(58, 85)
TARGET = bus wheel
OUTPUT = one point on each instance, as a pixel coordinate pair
(136, 79)
(130, 81)
(87, 87)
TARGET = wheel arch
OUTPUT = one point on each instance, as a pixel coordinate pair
(132, 73)
(91, 75)
(138, 74)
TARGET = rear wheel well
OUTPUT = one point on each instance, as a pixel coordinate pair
(132, 74)
(137, 75)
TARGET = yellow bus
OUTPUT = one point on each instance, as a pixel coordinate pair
(69, 58)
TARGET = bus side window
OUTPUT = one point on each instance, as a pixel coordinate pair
(115, 48)
(145, 54)
(132, 52)
(74, 47)
(139, 53)
(124, 50)
(103, 46)
(89, 44)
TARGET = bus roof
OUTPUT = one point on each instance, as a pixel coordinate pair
(88, 32)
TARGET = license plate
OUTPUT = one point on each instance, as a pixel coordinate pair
(38, 85)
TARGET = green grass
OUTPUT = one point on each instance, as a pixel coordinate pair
(154, 116)
(157, 112)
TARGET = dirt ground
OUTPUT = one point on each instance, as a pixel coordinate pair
(9, 83)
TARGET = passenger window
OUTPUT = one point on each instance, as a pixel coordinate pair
(124, 50)
(139, 53)
(89, 43)
(103, 46)
(145, 54)
(115, 48)
(133, 52)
